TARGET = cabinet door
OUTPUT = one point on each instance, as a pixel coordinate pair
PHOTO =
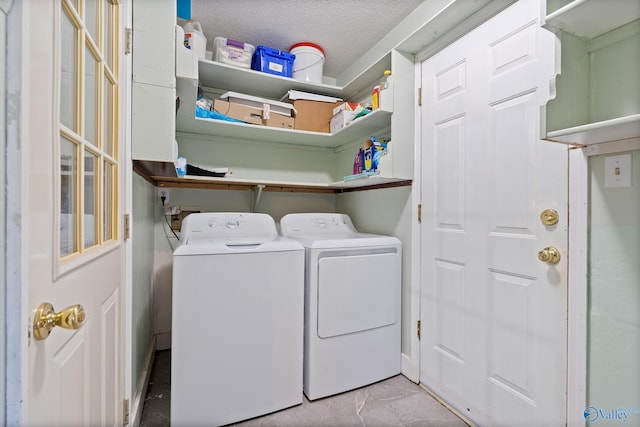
(154, 49)
(154, 94)
(153, 123)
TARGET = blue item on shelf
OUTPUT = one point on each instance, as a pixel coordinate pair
(272, 61)
(207, 114)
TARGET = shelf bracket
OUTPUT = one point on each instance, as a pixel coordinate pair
(259, 189)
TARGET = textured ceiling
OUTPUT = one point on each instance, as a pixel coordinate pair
(345, 29)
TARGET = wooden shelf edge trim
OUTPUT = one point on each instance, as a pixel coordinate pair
(406, 183)
(161, 181)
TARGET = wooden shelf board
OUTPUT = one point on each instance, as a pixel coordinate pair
(209, 183)
(596, 133)
(591, 18)
(359, 128)
(218, 75)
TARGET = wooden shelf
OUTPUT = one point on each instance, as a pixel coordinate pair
(208, 183)
(359, 128)
(595, 133)
(591, 18)
(218, 75)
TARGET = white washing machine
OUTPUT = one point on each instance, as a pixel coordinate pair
(352, 303)
(237, 334)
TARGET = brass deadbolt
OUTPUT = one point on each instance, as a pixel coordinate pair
(549, 217)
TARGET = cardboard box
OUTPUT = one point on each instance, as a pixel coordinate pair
(313, 115)
(341, 119)
(279, 121)
(313, 112)
(264, 104)
(238, 112)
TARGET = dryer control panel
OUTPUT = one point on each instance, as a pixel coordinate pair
(329, 223)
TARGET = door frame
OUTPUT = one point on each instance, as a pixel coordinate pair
(15, 297)
(578, 286)
(4, 11)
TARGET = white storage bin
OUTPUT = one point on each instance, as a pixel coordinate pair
(233, 52)
(264, 104)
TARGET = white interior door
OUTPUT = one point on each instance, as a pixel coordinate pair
(72, 244)
(493, 315)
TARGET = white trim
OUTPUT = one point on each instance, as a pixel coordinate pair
(137, 401)
(613, 147)
(577, 288)
(17, 310)
(411, 362)
(126, 207)
(449, 407)
(3, 200)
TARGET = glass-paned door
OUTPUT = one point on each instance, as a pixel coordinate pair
(88, 155)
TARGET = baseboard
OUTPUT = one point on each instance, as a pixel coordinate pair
(410, 369)
(449, 407)
(135, 408)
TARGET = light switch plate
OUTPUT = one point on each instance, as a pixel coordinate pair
(617, 171)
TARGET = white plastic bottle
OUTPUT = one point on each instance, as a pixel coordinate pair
(194, 38)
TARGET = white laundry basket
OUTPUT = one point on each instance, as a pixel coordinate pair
(309, 62)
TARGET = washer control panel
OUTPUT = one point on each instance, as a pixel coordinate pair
(224, 224)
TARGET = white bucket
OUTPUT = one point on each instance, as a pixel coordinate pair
(309, 62)
(194, 38)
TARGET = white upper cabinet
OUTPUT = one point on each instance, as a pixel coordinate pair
(598, 90)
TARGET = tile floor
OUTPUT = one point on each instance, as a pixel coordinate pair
(393, 402)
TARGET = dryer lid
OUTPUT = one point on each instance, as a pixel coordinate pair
(329, 230)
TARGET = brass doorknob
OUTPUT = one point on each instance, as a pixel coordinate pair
(46, 318)
(550, 255)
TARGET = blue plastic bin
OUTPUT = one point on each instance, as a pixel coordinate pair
(272, 61)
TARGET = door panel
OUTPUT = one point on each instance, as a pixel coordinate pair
(73, 377)
(494, 335)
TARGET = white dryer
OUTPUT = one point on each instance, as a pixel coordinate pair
(352, 303)
(237, 334)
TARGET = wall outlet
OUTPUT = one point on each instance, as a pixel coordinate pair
(163, 192)
(172, 210)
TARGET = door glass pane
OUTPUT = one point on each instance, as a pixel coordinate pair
(90, 198)
(91, 19)
(68, 75)
(108, 202)
(68, 191)
(107, 24)
(91, 96)
(107, 116)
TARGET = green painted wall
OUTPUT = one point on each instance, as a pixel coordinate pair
(614, 294)
(142, 224)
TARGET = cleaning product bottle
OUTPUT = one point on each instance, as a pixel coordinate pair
(194, 38)
(375, 94)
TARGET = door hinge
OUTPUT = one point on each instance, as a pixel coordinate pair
(419, 329)
(127, 227)
(420, 96)
(128, 41)
(420, 212)
(125, 412)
